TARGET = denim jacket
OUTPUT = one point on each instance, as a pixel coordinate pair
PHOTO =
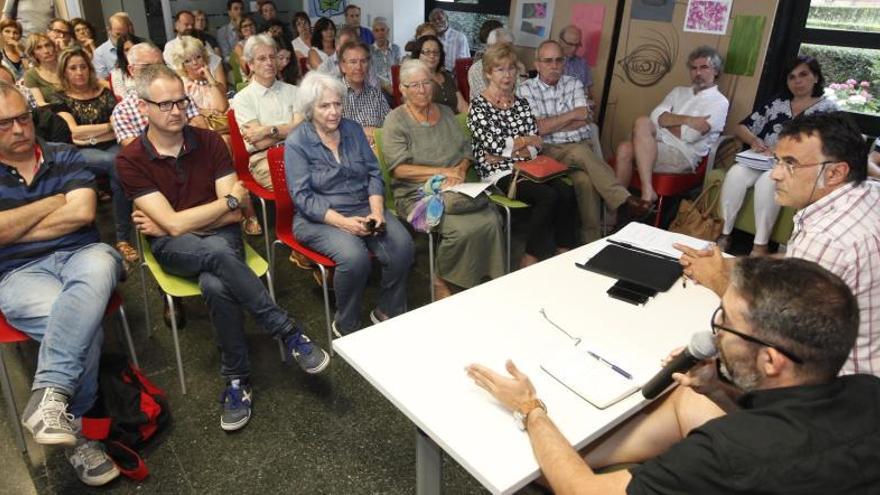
(317, 182)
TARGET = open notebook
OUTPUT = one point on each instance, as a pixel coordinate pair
(594, 380)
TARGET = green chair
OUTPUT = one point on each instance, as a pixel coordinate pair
(499, 199)
(390, 206)
(235, 66)
(174, 286)
(745, 219)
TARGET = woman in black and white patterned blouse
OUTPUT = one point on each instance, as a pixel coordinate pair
(505, 131)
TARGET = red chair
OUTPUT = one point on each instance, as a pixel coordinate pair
(10, 335)
(284, 212)
(303, 66)
(396, 96)
(462, 66)
(241, 162)
(674, 184)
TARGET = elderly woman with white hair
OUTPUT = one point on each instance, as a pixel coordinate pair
(206, 89)
(422, 139)
(477, 79)
(335, 182)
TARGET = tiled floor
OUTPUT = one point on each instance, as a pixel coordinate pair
(332, 433)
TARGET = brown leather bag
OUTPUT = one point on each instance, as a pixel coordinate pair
(539, 169)
(698, 218)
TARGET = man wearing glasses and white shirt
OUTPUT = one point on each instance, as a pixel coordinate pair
(264, 108)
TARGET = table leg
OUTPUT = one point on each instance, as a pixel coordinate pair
(428, 465)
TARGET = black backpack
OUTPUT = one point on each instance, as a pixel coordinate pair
(129, 412)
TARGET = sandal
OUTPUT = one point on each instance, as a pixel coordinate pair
(251, 226)
(128, 252)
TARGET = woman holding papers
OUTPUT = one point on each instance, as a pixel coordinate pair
(422, 139)
(336, 185)
(505, 132)
(803, 94)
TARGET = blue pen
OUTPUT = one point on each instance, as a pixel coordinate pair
(611, 365)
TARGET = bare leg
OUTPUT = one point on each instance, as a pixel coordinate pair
(645, 151)
(654, 430)
(527, 260)
(251, 222)
(624, 166)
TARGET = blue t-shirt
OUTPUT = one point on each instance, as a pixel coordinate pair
(61, 171)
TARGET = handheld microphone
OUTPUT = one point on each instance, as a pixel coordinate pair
(701, 347)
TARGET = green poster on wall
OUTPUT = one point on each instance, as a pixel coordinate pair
(745, 44)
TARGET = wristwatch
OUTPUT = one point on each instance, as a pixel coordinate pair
(232, 202)
(93, 141)
(521, 413)
(273, 131)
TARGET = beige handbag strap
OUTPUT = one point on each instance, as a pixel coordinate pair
(703, 202)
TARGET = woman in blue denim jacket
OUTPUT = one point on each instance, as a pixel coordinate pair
(337, 188)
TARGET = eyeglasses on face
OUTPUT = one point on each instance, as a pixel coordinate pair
(718, 318)
(792, 164)
(569, 43)
(23, 119)
(417, 85)
(552, 60)
(504, 70)
(431, 53)
(166, 106)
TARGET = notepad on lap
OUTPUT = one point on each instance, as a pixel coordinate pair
(593, 380)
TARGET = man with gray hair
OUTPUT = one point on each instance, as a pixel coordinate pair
(264, 109)
(331, 67)
(560, 107)
(476, 78)
(680, 130)
(455, 43)
(189, 202)
(104, 58)
(571, 40)
(127, 120)
(383, 53)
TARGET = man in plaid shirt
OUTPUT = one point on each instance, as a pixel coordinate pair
(128, 122)
(363, 103)
(820, 166)
(560, 106)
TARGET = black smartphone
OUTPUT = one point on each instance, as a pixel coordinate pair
(625, 295)
(638, 289)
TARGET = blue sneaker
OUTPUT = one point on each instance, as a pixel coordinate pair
(311, 358)
(236, 400)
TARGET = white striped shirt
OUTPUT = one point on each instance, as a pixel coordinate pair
(841, 232)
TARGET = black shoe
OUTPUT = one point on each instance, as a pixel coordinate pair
(179, 312)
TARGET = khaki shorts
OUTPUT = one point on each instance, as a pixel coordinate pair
(670, 160)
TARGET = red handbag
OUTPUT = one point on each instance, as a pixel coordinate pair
(540, 169)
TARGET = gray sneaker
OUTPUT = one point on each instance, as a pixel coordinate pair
(91, 463)
(237, 400)
(311, 358)
(46, 417)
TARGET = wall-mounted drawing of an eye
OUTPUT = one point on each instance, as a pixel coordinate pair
(650, 61)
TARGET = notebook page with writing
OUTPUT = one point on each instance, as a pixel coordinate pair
(656, 240)
(593, 380)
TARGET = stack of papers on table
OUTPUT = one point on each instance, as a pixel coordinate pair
(596, 381)
(753, 159)
(646, 237)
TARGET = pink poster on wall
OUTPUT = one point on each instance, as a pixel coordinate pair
(589, 17)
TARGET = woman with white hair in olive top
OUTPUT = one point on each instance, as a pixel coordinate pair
(335, 182)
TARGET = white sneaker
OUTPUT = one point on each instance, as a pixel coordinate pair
(91, 463)
(46, 417)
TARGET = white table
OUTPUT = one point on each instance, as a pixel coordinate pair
(417, 361)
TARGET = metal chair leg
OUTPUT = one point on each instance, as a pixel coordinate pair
(10, 403)
(125, 328)
(509, 228)
(327, 308)
(144, 285)
(265, 224)
(431, 264)
(170, 302)
(659, 211)
(269, 280)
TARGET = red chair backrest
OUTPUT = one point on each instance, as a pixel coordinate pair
(9, 334)
(396, 97)
(303, 66)
(284, 207)
(240, 155)
(462, 66)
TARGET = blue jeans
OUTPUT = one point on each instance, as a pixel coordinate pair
(227, 285)
(101, 162)
(394, 249)
(59, 300)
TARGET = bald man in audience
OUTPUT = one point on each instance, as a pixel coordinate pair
(104, 57)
